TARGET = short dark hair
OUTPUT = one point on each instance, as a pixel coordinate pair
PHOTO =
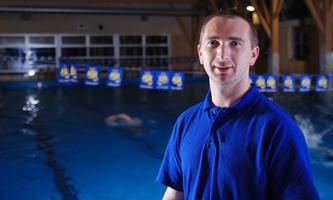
(232, 13)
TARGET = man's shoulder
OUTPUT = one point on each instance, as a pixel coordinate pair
(272, 113)
(276, 125)
(193, 109)
(186, 119)
(191, 112)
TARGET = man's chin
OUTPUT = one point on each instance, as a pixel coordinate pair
(222, 79)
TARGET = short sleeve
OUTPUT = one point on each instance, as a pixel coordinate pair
(170, 173)
(289, 168)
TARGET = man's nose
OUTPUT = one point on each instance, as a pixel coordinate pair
(223, 51)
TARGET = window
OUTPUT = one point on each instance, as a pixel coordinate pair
(20, 54)
(126, 50)
(73, 40)
(157, 50)
(138, 50)
(131, 51)
(73, 52)
(44, 52)
(101, 40)
(301, 43)
(156, 40)
(9, 52)
(131, 40)
(41, 39)
(101, 51)
(73, 46)
(101, 46)
(12, 40)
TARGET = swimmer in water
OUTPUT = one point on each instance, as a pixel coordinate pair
(122, 119)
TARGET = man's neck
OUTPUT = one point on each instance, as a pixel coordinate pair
(226, 96)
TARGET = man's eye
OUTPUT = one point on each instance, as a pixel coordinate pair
(213, 43)
(235, 43)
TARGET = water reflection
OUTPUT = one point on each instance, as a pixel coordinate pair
(44, 143)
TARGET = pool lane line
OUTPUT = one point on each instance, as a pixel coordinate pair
(44, 144)
(61, 180)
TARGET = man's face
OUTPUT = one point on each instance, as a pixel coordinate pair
(225, 50)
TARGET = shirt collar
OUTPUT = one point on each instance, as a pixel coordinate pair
(207, 104)
(243, 103)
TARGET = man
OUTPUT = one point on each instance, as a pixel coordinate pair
(236, 144)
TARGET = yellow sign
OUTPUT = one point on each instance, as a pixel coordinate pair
(260, 82)
(147, 78)
(177, 80)
(323, 82)
(305, 82)
(92, 74)
(288, 82)
(73, 72)
(271, 82)
(115, 76)
(162, 79)
(64, 73)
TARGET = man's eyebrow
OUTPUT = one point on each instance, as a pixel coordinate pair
(231, 38)
(238, 39)
(212, 38)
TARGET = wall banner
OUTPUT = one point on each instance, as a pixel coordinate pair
(114, 76)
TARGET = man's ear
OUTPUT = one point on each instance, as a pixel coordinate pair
(199, 54)
(254, 55)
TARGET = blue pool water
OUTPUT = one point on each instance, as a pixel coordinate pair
(54, 143)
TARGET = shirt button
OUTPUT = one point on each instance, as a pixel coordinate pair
(214, 112)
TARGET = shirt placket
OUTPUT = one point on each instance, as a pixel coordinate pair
(218, 116)
(214, 113)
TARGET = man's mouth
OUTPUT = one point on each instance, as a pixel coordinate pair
(222, 69)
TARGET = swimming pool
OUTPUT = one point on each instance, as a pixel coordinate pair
(54, 143)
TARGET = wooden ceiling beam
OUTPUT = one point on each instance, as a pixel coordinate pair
(262, 19)
(278, 8)
(197, 29)
(99, 1)
(185, 31)
(328, 26)
(182, 26)
(265, 11)
(275, 11)
(315, 12)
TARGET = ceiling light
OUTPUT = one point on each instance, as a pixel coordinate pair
(250, 8)
(31, 72)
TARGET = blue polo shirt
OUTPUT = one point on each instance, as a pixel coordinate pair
(251, 150)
